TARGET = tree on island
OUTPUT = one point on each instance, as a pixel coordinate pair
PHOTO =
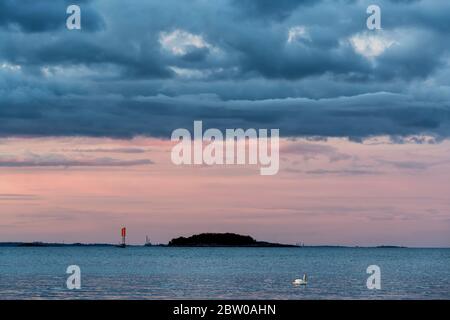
(220, 239)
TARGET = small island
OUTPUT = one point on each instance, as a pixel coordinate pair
(221, 240)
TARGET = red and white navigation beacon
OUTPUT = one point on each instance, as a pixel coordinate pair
(123, 234)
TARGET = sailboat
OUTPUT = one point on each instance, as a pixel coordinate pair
(147, 242)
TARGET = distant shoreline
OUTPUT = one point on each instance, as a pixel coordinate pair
(204, 240)
(53, 245)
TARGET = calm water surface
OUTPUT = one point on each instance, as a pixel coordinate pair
(223, 273)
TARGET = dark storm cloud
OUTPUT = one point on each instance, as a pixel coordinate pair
(44, 15)
(310, 68)
(278, 9)
(158, 116)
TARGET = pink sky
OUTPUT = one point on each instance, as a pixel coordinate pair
(326, 192)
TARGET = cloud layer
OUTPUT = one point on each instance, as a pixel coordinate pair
(310, 68)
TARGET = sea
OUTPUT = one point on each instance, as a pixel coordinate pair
(223, 273)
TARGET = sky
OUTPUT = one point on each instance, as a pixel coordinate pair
(86, 118)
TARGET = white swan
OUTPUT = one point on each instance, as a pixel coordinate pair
(303, 281)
